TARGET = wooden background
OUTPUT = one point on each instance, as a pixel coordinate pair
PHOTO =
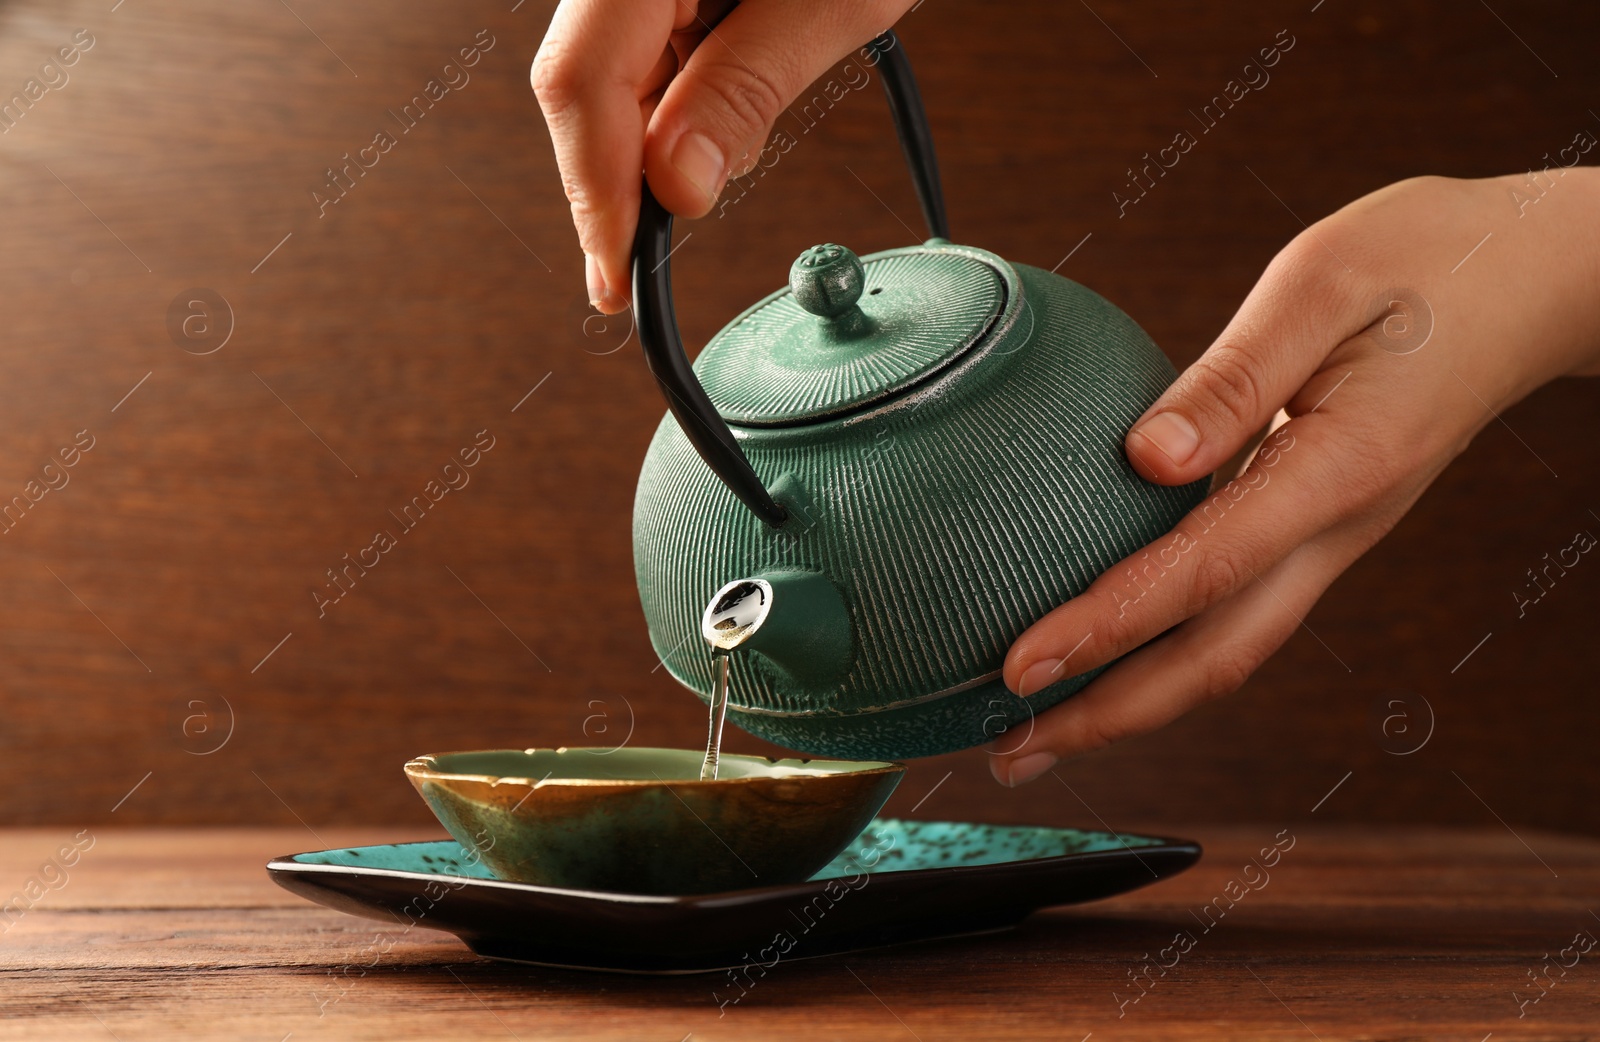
(142, 600)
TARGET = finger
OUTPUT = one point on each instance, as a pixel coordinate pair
(1280, 502)
(590, 75)
(1234, 466)
(1205, 658)
(1305, 303)
(720, 108)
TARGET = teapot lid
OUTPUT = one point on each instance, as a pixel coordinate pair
(849, 333)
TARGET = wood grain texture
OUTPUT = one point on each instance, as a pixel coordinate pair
(371, 344)
(1355, 933)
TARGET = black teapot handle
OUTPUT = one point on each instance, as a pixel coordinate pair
(658, 323)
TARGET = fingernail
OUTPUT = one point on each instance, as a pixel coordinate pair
(1029, 767)
(601, 297)
(1039, 676)
(699, 159)
(1172, 433)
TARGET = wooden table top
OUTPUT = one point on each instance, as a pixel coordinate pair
(1447, 934)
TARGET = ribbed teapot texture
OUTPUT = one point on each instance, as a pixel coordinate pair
(948, 448)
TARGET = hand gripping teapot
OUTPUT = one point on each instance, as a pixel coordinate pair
(914, 455)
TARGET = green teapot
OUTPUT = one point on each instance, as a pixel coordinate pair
(908, 457)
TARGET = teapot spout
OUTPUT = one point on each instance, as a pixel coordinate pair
(805, 632)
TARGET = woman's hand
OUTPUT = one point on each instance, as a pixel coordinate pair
(646, 85)
(1389, 333)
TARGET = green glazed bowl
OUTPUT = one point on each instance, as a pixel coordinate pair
(641, 820)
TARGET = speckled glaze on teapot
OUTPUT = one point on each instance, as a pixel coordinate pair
(919, 451)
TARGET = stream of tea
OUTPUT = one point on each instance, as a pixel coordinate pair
(720, 668)
(733, 617)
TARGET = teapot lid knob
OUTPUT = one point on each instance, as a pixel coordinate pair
(827, 280)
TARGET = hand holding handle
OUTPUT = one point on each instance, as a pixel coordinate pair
(658, 323)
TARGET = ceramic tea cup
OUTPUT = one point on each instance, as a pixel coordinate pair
(642, 821)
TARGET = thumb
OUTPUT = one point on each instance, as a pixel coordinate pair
(717, 112)
(1305, 304)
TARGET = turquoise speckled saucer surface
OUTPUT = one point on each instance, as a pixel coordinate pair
(900, 846)
(899, 881)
